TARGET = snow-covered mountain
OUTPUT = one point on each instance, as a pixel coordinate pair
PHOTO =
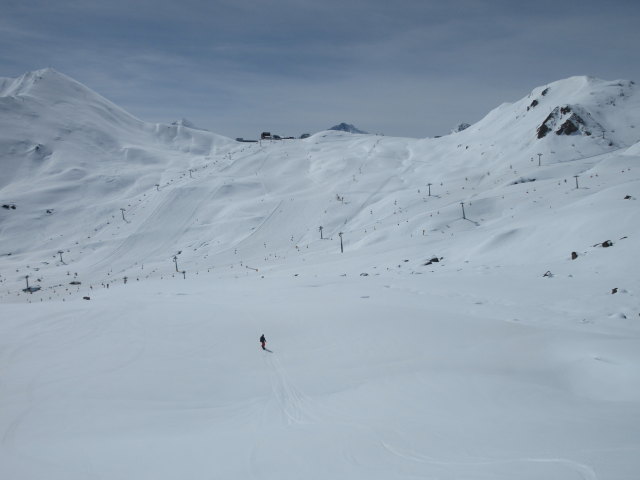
(68, 153)
(347, 127)
(456, 307)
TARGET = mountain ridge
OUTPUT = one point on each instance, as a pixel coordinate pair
(347, 127)
(77, 148)
(481, 287)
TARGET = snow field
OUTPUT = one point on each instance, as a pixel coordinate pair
(380, 380)
(383, 366)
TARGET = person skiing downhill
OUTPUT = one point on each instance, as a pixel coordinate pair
(263, 341)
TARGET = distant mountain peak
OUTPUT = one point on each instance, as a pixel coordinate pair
(30, 81)
(347, 127)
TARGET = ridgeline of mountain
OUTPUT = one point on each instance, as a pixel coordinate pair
(347, 127)
(184, 122)
(72, 158)
(54, 128)
(481, 287)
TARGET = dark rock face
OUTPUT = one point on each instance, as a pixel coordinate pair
(543, 129)
(523, 180)
(566, 120)
(569, 127)
(432, 261)
(536, 101)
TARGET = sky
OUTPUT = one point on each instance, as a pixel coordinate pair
(409, 68)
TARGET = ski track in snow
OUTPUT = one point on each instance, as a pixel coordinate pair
(585, 472)
(169, 221)
(292, 404)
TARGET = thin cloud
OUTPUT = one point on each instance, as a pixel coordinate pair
(410, 67)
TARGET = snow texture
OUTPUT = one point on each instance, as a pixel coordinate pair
(454, 338)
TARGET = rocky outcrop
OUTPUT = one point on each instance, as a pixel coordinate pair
(568, 120)
(460, 127)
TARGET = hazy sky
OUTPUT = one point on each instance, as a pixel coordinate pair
(411, 68)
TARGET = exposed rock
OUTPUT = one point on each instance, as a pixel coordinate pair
(569, 127)
(543, 129)
(568, 120)
(460, 127)
(433, 260)
(574, 255)
(523, 180)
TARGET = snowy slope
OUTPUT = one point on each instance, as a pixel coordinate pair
(70, 154)
(503, 359)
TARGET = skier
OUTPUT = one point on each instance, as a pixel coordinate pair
(263, 341)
